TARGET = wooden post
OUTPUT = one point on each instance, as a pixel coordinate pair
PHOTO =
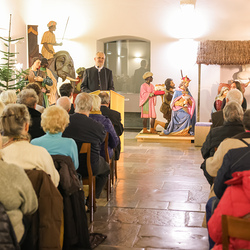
(33, 47)
(199, 92)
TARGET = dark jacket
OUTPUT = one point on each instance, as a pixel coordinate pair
(8, 239)
(235, 160)
(72, 109)
(84, 129)
(47, 220)
(94, 80)
(217, 119)
(217, 135)
(113, 138)
(35, 129)
(76, 234)
(115, 118)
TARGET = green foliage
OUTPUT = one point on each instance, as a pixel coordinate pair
(10, 77)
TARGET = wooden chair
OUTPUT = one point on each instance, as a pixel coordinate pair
(236, 228)
(90, 180)
(113, 169)
(109, 162)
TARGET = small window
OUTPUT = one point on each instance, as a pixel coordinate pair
(128, 60)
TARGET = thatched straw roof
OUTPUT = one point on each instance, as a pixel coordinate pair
(224, 52)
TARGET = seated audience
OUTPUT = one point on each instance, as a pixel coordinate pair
(115, 118)
(84, 129)
(96, 115)
(54, 121)
(232, 95)
(66, 89)
(17, 150)
(235, 160)
(8, 97)
(17, 196)
(233, 115)
(29, 98)
(64, 102)
(37, 89)
(234, 202)
(214, 163)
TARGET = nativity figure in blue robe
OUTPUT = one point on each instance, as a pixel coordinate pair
(183, 117)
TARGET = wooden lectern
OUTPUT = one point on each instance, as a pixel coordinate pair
(116, 103)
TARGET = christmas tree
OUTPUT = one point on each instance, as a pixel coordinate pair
(10, 76)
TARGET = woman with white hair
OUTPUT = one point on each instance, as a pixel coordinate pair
(54, 121)
(8, 97)
(17, 149)
(96, 114)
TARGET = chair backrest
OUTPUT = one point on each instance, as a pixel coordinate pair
(235, 227)
(86, 149)
(106, 148)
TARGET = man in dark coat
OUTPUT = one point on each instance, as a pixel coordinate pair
(84, 129)
(97, 77)
(115, 118)
(29, 98)
(233, 114)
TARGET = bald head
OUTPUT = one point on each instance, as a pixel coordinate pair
(64, 102)
(234, 95)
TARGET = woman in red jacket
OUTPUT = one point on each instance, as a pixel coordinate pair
(234, 202)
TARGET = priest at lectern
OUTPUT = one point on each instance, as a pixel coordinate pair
(97, 77)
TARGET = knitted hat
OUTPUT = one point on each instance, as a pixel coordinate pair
(147, 74)
(79, 70)
(51, 23)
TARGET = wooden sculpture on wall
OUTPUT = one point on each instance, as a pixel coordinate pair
(33, 47)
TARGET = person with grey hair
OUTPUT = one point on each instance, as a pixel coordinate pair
(232, 95)
(84, 129)
(97, 77)
(231, 156)
(38, 91)
(64, 102)
(17, 149)
(29, 98)
(8, 96)
(214, 163)
(233, 114)
(115, 118)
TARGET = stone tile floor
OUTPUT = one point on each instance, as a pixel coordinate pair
(158, 201)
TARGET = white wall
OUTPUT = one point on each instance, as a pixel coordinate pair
(160, 22)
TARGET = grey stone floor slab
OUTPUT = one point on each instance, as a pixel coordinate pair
(156, 237)
(158, 201)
